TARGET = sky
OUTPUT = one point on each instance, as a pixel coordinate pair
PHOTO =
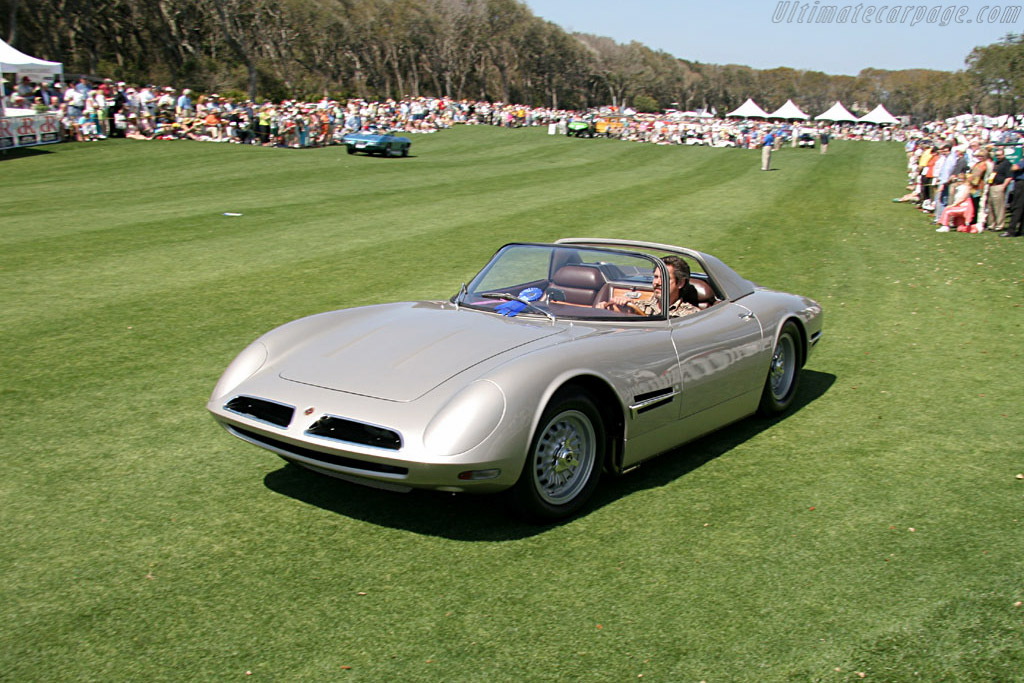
(765, 34)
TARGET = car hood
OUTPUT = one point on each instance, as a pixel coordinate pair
(398, 352)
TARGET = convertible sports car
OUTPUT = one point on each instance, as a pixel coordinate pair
(377, 143)
(521, 382)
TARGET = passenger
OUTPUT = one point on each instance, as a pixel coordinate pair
(679, 277)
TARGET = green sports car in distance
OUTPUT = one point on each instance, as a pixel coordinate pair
(376, 143)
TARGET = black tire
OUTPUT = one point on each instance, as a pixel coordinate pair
(405, 151)
(350, 150)
(563, 465)
(783, 372)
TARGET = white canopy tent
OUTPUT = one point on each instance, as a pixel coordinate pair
(879, 116)
(837, 112)
(749, 110)
(788, 111)
(17, 62)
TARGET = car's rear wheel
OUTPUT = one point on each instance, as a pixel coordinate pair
(783, 372)
(564, 462)
(350, 150)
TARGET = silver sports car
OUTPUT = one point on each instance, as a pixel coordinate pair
(527, 380)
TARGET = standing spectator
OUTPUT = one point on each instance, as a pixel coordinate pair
(183, 108)
(263, 125)
(147, 100)
(766, 151)
(99, 112)
(823, 138)
(75, 101)
(119, 112)
(978, 180)
(1001, 177)
(165, 103)
(943, 172)
(1016, 225)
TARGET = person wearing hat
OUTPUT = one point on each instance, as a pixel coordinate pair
(25, 87)
(767, 144)
(184, 108)
(118, 108)
(978, 181)
(952, 166)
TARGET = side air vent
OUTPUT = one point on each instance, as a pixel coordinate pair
(330, 458)
(652, 399)
(340, 429)
(260, 409)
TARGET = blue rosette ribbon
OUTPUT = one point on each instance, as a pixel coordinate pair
(511, 309)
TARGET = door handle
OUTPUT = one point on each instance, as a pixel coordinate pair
(746, 315)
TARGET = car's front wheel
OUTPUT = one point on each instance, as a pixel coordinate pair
(783, 372)
(564, 463)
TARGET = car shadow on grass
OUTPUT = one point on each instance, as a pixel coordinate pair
(490, 518)
(681, 461)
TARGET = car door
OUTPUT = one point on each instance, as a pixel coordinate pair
(719, 353)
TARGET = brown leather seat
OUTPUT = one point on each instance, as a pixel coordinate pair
(699, 293)
(577, 284)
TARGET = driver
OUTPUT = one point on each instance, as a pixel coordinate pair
(679, 277)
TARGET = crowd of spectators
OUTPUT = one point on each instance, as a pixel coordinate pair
(91, 111)
(690, 128)
(958, 171)
(962, 179)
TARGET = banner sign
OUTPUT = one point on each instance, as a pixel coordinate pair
(26, 131)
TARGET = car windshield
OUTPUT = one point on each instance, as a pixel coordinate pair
(562, 282)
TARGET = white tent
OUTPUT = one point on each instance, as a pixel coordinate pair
(788, 111)
(17, 62)
(749, 110)
(880, 116)
(837, 112)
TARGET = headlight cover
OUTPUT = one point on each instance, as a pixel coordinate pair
(466, 420)
(244, 366)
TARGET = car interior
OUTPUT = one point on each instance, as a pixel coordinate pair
(583, 284)
(578, 280)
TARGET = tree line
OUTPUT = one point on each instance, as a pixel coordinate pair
(493, 50)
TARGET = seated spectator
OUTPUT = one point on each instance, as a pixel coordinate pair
(960, 211)
(212, 124)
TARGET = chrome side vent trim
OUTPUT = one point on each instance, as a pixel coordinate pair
(652, 399)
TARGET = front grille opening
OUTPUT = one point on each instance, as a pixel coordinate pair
(331, 458)
(262, 410)
(350, 431)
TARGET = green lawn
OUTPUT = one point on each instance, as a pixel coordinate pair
(876, 530)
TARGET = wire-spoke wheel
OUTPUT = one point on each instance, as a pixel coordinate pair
(783, 372)
(565, 459)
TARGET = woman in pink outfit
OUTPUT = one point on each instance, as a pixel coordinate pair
(960, 211)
